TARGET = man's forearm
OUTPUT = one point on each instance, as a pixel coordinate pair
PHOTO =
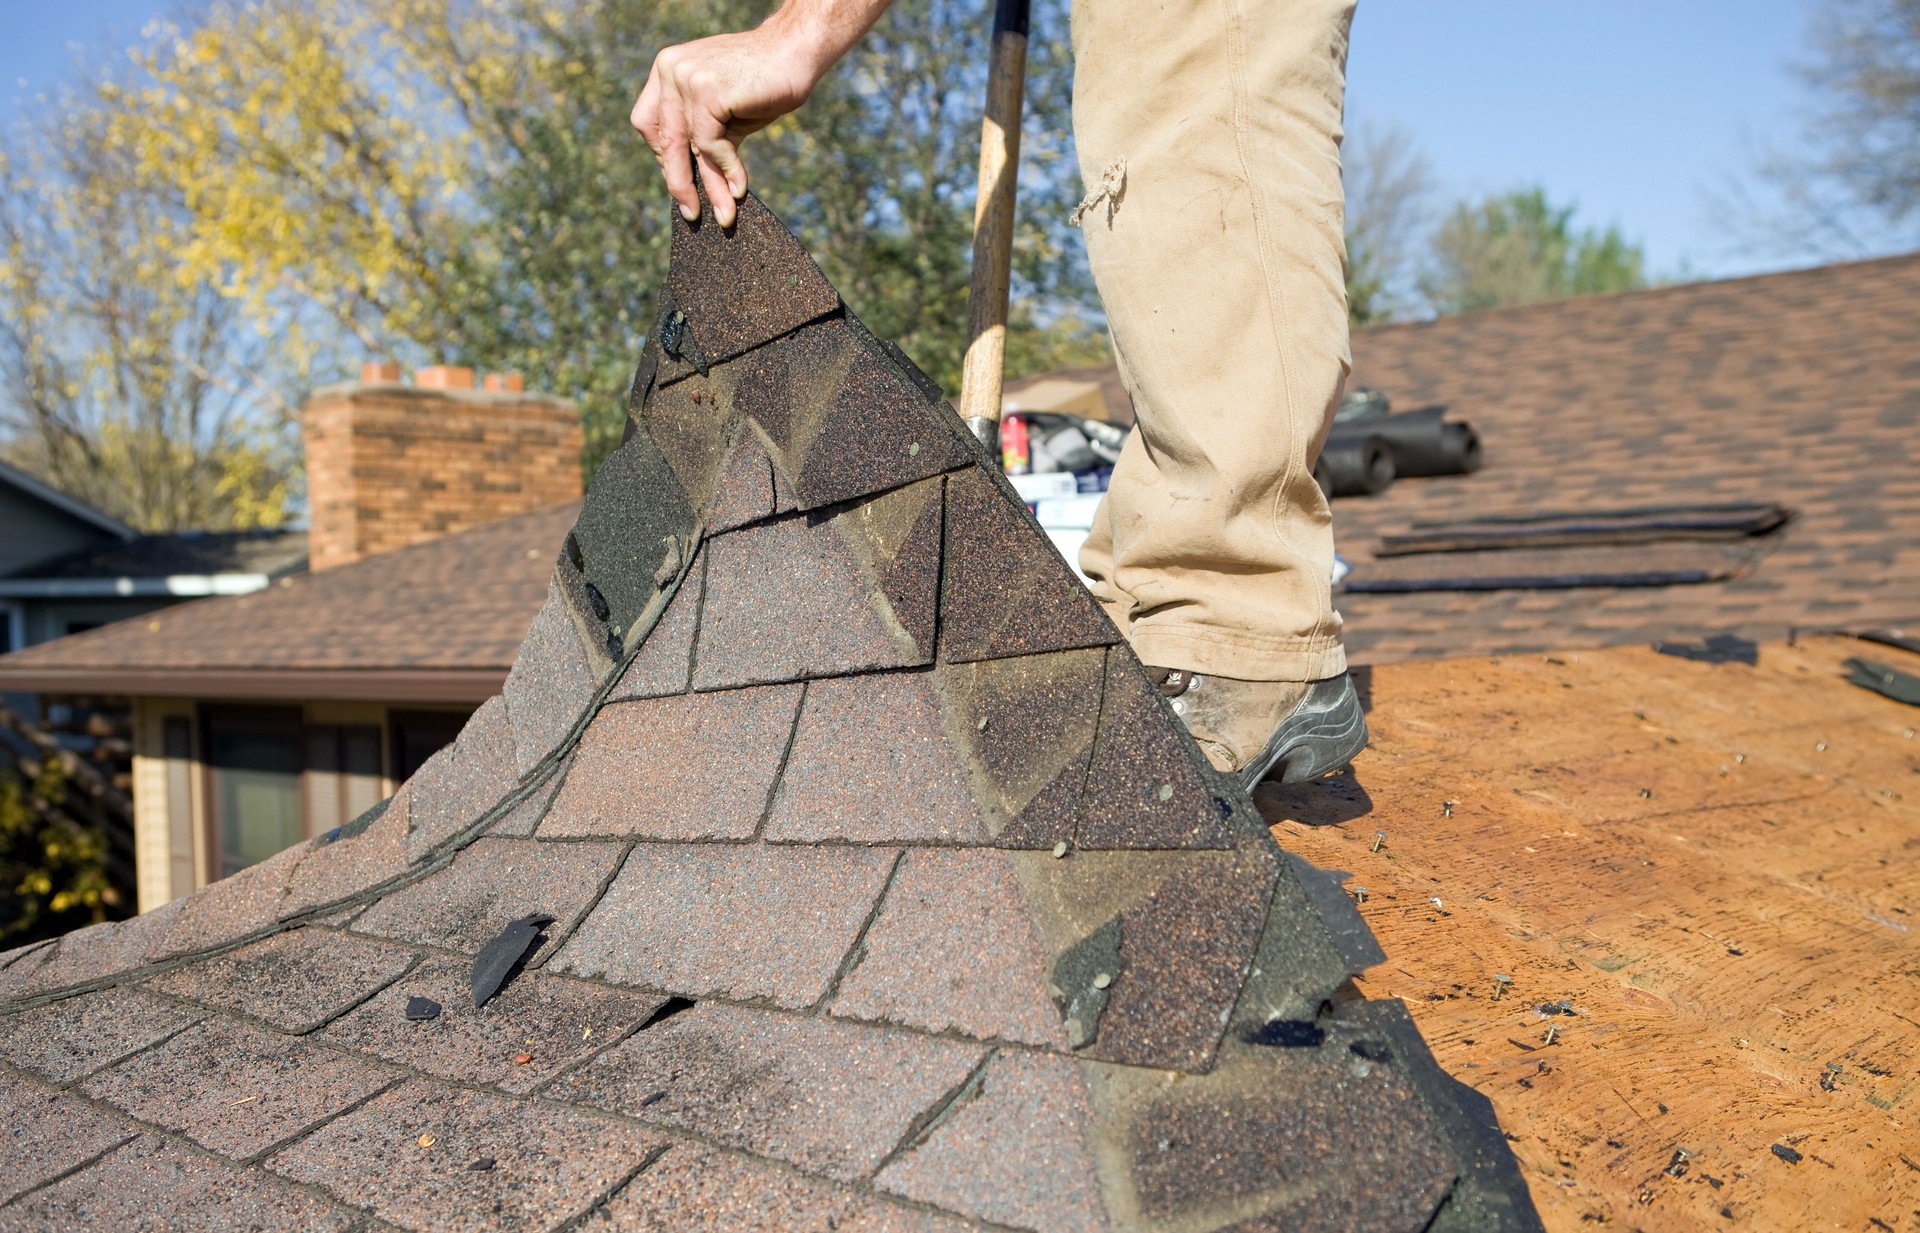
(825, 29)
(702, 98)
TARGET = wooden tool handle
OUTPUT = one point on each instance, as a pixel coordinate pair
(983, 370)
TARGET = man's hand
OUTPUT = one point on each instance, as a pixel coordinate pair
(703, 97)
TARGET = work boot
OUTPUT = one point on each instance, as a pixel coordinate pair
(1288, 731)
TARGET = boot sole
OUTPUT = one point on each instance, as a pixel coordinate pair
(1324, 733)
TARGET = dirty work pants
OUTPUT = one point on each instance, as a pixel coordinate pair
(1209, 139)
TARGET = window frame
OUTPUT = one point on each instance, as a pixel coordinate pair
(294, 720)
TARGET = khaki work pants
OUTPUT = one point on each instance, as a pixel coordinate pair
(1209, 138)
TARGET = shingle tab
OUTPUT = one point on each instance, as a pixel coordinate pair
(552, 1021)
(150, 1179)
(44, 1132)
(955, 949)
(70, 1039)
(460, 783)
(296, 981)
(549, 686)
(664, 664)
(1032, 723)
(830, 1098)
(692, 1190)
(235, 1089)
(1007, 592)
(806, 595)
(672, 920)
(99, 952)
(743, 285)
(1349, 1148)
(843, 419)
(492, 882)
(350, 864)
(698, 766)
(1145, 788)
(748, 490)
(875, 761)
(1016, 1151)
(404, 1157)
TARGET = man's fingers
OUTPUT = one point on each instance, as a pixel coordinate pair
(670, 144)
(724, 175)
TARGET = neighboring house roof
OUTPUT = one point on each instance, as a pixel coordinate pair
(1801, 389)
(186, 564)
(879, 889)
(1095, 391)
(435, 622)
(67, 504)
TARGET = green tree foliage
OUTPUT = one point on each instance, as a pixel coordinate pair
(120, 382)
(455, 180)
(1519, 248)
(52, 869)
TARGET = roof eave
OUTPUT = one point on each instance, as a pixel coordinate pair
(181, 586)
(436, 685)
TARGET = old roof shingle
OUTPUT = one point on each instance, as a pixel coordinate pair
(851, 926)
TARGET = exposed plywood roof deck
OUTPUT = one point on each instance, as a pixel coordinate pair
(1724, 941)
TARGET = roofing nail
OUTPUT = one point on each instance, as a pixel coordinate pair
(1359, 894)
(1500, 982)
(1060, 849)
(1102, 980)
(1166, 791)
(982, 725)
(1739, 757)
(1646, 794)
(426, 1140)
(1446, 808)
(1552, 1030)
(1819, 747)
(1379, 837)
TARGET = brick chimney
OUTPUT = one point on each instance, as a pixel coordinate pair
(391, 463)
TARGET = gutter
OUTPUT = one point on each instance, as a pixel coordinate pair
(472, 685)
(181, 586)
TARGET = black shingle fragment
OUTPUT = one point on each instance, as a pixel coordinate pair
(1718, 649)
(500, 959)
(1786, 1153)
(633, 515)
(420, 1009)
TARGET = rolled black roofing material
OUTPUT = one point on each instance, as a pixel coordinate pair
(1422, 442)
(1355, 466)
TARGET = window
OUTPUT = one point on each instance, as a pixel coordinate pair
(253, 764)
(343, 774)
(177, 735)
(418, 735)
(13, 633)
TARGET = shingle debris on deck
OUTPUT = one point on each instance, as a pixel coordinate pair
(876, 890)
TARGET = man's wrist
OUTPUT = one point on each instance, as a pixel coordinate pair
(821, 31)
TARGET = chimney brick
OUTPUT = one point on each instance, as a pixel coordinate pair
(506, 382)
(390, 465)
(376, 371)
(444, 377)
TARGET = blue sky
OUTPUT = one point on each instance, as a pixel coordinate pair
(1635, 109)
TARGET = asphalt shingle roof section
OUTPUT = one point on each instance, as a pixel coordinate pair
(887, 895)
(1798, 389)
